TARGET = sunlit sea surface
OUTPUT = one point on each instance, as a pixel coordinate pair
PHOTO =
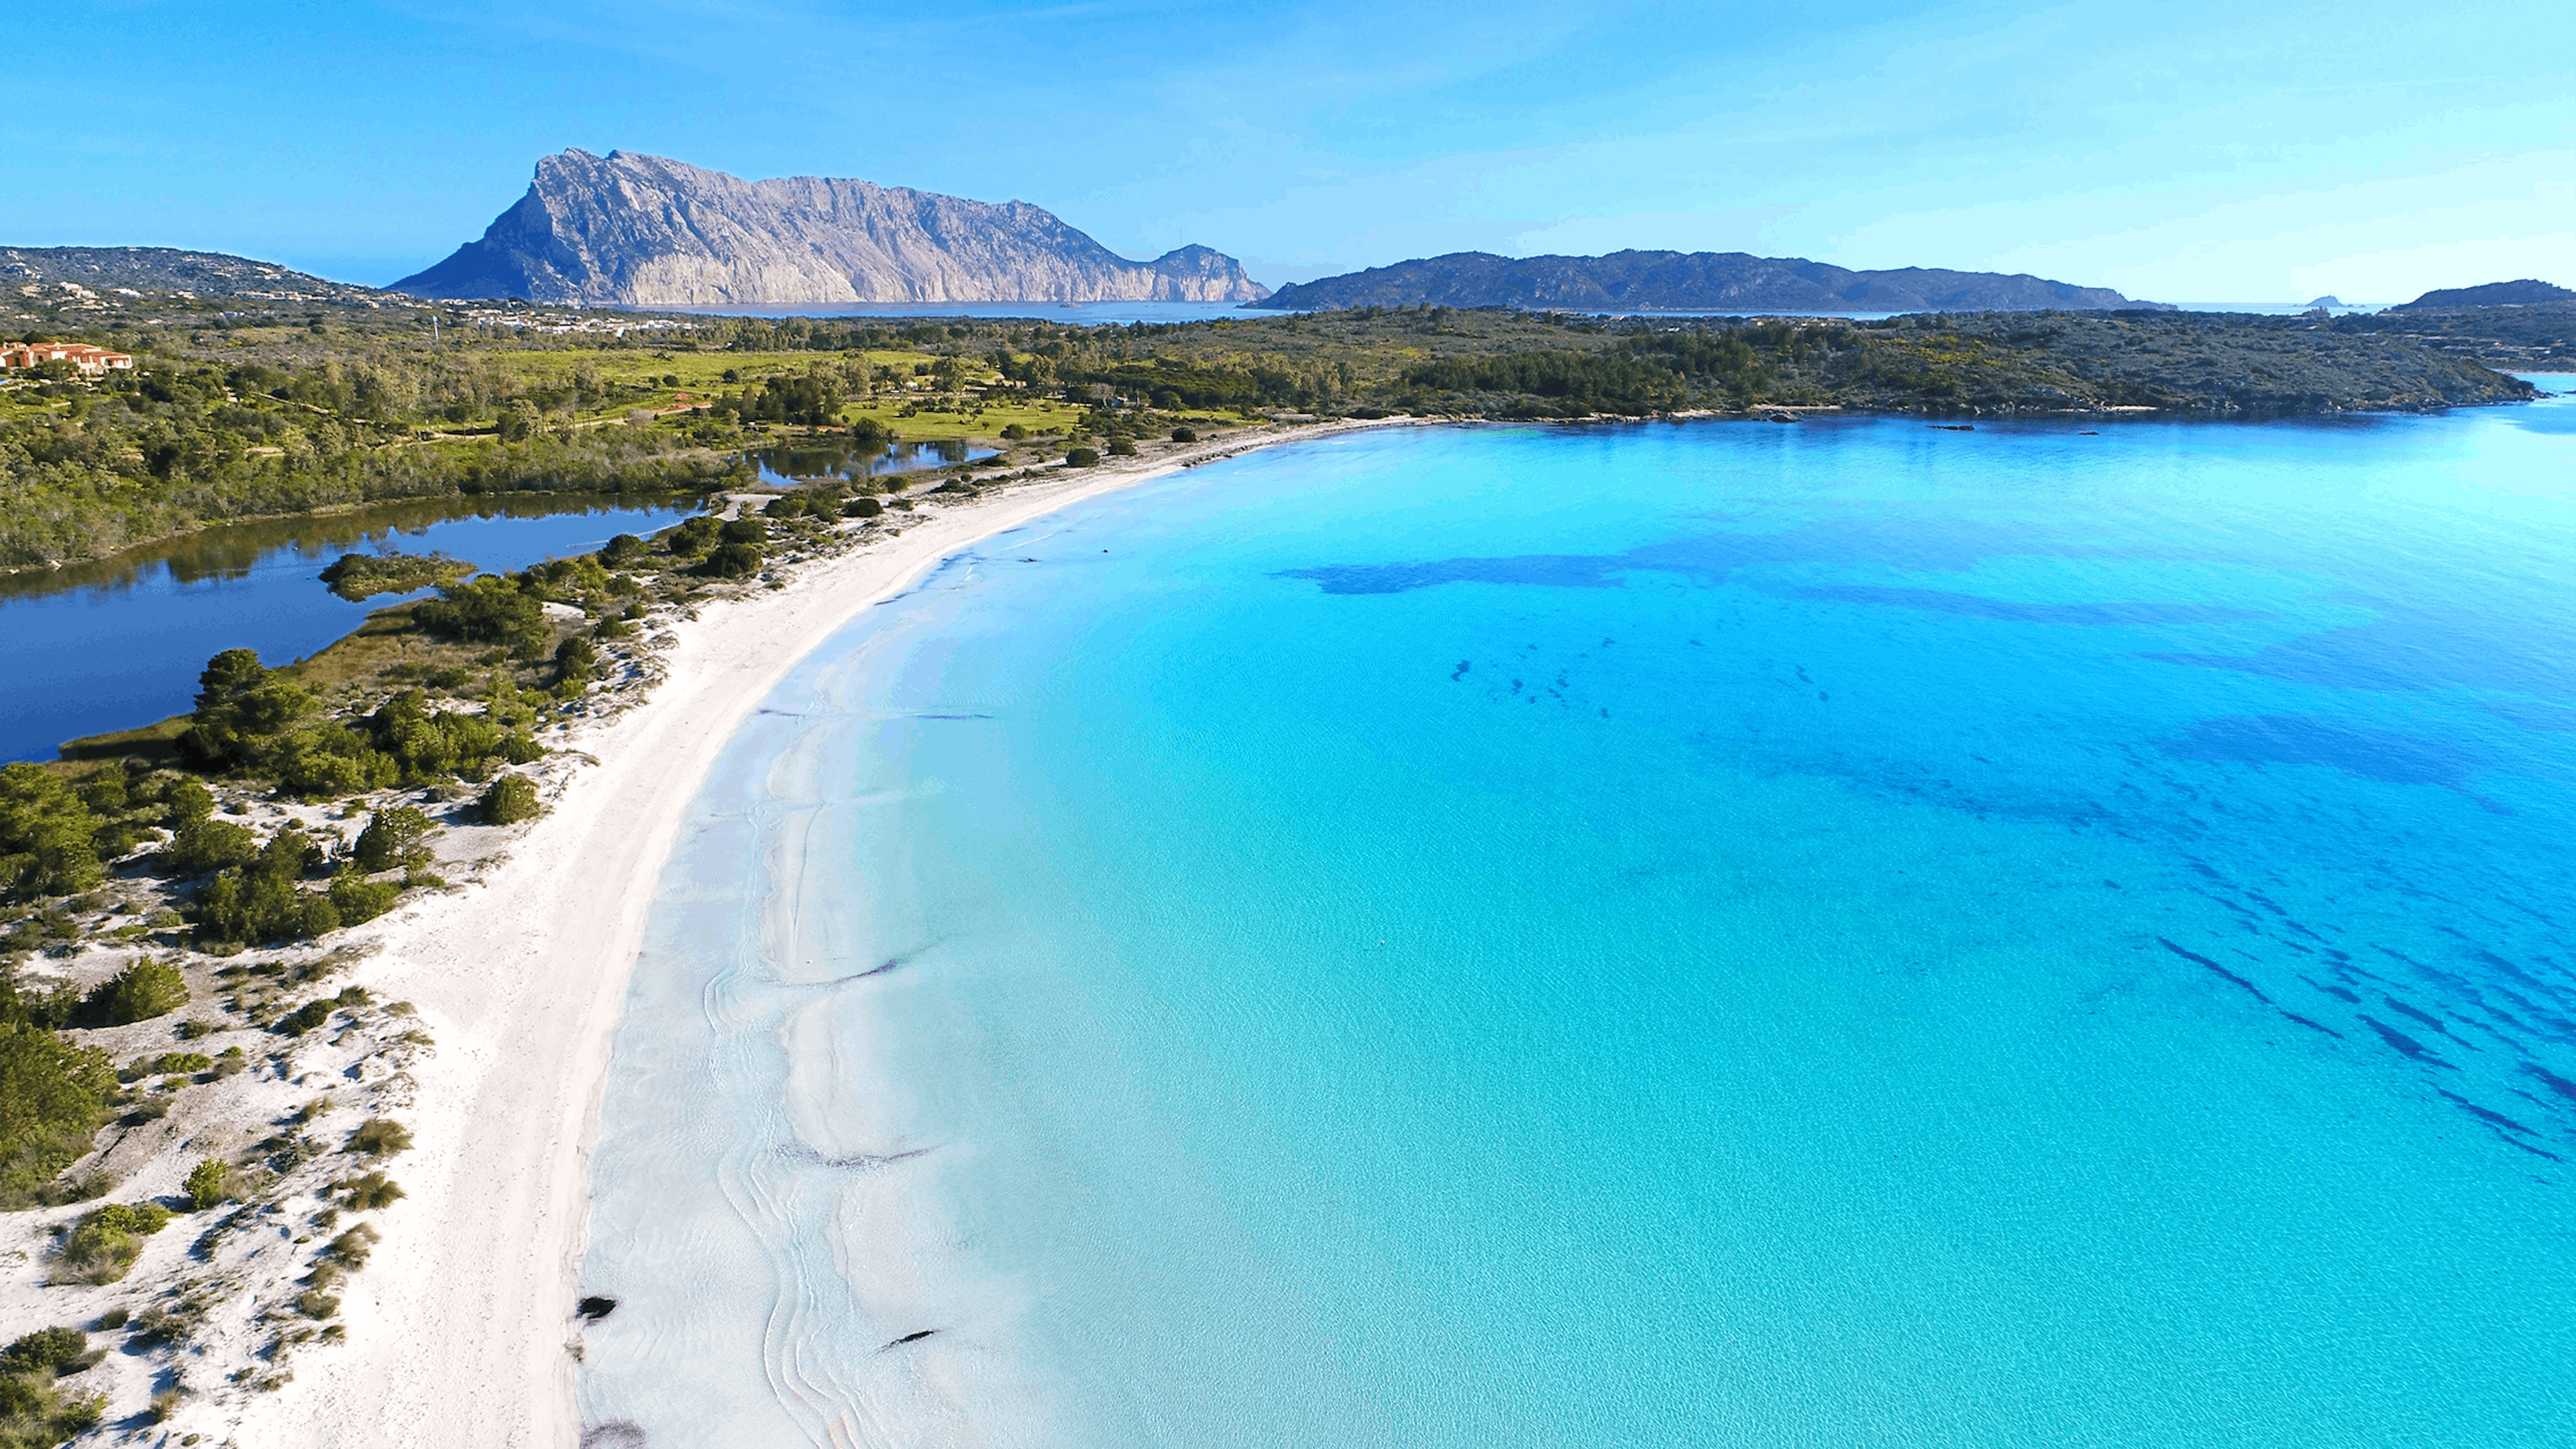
(1847, 934)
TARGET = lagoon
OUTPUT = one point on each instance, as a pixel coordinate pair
(1839, 934)
(118, 643)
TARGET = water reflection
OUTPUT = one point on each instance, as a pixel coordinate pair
(786, 467)
(231, 550)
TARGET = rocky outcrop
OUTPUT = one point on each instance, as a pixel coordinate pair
(1687, 282)
(642, 231)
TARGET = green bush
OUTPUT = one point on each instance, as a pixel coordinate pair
(205, 1186)
(179, 1064)
(862, 508)
(576, 660)
(140, 992)
(306, 1017)
(1082, 457)
(53, 1096)
(733, 561)
(487, 610)
(1014, 432)
(693, 537)
(380, 1137)
(356, 899)
(1122, 446)
(1185, 435)
(624, 551)
(511, 799)
(390, 837)
(262, 901)
(205, 846)
(102, 1246)
(45, 1351)
(871, 434)
(48, 836)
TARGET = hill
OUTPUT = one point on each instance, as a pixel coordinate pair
(2529, 292)
(643, 231)
(1685, 282)
(165, 269)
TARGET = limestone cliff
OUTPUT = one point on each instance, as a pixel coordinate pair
(642, 231)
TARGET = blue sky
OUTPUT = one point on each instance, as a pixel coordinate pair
(2185, 152)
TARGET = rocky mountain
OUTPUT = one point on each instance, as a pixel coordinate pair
(2528, 292)
(642, 231)
(1686, 282)
(165, 269)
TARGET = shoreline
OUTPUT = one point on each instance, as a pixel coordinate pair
(464, 1331)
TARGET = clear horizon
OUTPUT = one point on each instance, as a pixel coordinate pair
(2196, 154)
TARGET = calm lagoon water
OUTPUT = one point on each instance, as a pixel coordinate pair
(118, 643)
(1729, 934)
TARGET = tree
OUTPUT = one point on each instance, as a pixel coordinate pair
(1082, 457)
(390, 837)
(53, 1093)
(205, 1185)
(241, 706)
(511, 799)
(518, 420)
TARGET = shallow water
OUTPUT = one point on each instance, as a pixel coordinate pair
(118, 643)
(1847, 934)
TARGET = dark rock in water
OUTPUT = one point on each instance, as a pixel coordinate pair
(615, 1434)
(642, 231)
(1687, 281)
(2529, 292)
(595, 1308)
(916, 1336)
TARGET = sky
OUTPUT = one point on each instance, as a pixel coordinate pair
(2191, 152)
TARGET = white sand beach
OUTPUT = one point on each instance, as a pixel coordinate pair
(462, 1331)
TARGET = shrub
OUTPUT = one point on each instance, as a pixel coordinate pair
(733, 561)
(47, 1350)
(140, 992)
(354, 898)
(622, 552)
(576, 660)
(1185, 435)
(862, 508)
(304, 1018)
(1082, 457)
(48, 836)
(205, 846)
(693, 537)
(261, 901)
(102, 1246)
(871, 434)
(1122, 447)
(487, 610)
(390, 837)
(351, 1248)
(181, 1063)
(205, 1186)
(53, 1095)
(368, 1192)
(380, 1137)
(511, 799)
(743, 530)
(1014, 432)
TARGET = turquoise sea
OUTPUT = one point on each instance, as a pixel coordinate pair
(1852, 934)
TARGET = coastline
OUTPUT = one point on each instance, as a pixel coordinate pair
(461, 1333)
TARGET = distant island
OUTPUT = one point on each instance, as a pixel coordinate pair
(2528, 292)
(1687, 282)
(625, 230)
